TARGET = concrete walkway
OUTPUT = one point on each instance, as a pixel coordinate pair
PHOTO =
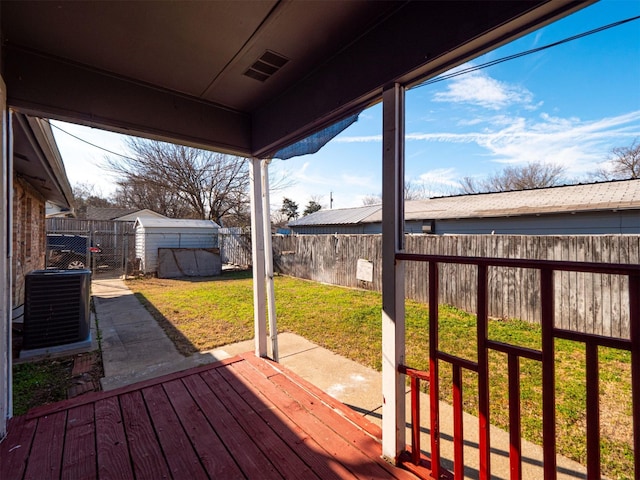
(135, 348)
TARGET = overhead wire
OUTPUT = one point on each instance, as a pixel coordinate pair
(89, 143)
(474, 68)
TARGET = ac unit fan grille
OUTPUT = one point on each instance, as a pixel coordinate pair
(56, 308)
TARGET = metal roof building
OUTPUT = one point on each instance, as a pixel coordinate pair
(595, 208)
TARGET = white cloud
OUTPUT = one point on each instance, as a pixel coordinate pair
(478, 88)
(576, 144)
(357, 180)
(358, 139)
(440, 176)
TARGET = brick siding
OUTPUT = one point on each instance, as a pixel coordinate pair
(29, 241)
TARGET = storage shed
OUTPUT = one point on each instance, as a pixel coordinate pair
(155, 233)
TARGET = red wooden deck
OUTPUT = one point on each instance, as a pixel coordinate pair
(242, 418)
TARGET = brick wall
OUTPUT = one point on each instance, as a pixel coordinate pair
(29, 241)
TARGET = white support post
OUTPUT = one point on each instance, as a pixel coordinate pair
(268, 260)
(393, 320)
(6, 187)
(257, 253)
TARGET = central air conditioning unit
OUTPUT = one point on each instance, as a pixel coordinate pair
(56, 308)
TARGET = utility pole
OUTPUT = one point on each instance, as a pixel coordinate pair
(330, 200)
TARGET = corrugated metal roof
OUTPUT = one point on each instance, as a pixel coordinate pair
(152, 222)
(338, 216)
(616, 195)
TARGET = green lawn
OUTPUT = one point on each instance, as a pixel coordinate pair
(38, 383)
(204, 314)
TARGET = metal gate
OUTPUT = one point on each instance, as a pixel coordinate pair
(116, 255)
(106, 253)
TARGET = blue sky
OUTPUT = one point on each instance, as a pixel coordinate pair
(568, 105)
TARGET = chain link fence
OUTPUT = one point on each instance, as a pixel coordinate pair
(108, 249)
(106, 254)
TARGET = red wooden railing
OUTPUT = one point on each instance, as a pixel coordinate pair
(545, 355)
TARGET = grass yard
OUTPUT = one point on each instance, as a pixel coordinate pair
(39, 383)
(204, 314)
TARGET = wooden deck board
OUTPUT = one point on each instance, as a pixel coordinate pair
(245, 418)
(333, 444)
(175, 444)
(282, 456)
(111, 441)
(146, 455)
(206, 442)
(79, 457)
(288, 431)
(45, 458)
(241, 447)
(14, 453)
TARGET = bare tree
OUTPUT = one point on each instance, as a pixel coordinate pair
(87, 195)
(142, 194)
(372, 199)
(531, 175)
(623, 163)
(412, 191)
(213, 185)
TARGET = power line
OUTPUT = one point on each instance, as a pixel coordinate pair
(92, 144)
(527, 52)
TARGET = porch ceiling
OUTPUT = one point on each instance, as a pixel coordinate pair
(176, 70)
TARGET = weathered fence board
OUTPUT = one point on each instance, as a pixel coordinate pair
(235, 246)
(584, 302)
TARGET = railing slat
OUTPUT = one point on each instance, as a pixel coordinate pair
(484, 441)
(458, 425)
(434, 393)
(548, 375)
(515, 443)
(593, 412)
(415, 420)
(634, 319)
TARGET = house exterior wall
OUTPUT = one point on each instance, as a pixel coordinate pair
(29, 238)
(593, 223)
(588, 223)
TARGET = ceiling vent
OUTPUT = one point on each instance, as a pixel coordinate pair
(268, 64)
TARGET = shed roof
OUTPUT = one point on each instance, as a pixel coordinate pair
(602, 196)
(145, 212)
(108, 213)
(179, 223)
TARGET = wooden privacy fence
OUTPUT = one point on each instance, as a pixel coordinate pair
(585, 302)
(235, 246)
